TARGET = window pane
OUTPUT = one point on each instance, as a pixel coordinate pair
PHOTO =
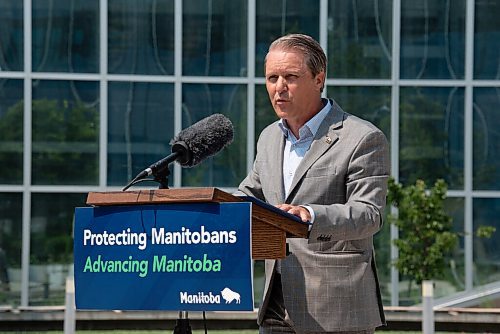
(227, 168)
(486, 139)
(486, 36)
(65, 132)
(454, 273)
(486, 250)
(214, 37)
(140, 126)
(382, 242)
(141, 36)
(66, 36)
(370, 103)
(264, 112)
(11, 36)
(359, 38)
(432, 135)
(51, 245)
(11, 131)
(432, 39)
(278, 18)
(10, 248)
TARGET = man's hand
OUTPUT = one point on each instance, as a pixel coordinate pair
(298, 211)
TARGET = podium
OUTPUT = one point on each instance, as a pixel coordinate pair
(270, 226)
(264, 227)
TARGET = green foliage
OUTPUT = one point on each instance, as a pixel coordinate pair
(425, 230)
(11, 145)
(485, 231)
(65, 139)
(426, 235)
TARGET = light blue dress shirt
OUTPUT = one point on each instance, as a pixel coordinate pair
(296, 149)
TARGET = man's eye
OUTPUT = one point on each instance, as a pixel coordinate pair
(291, 77)
(272, 78)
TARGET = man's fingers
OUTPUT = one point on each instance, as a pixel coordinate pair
(298, 211)
(305, 215)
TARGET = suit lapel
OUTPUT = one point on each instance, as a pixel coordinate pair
(325, 138)
(280, 186)
(277, 145)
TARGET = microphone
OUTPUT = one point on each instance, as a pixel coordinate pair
(192, 145)
(203, 139)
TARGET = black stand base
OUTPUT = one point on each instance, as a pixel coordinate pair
(182, 327)
(182, 324)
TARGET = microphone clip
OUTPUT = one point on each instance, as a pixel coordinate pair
(162, 178)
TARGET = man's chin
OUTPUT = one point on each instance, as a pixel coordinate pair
(281, 112)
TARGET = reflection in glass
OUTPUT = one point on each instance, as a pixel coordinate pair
(264, 112)
(11, 131)
(66, 36)
(140, 126)
(382, 242)
(10, 248)
(11, 36)
(141, 37)
(278, 18)
(432, 135)
(65, 132)
(486, 37)
(359, 38)
(214, 37)
(228, 167)
(370, 103)
(454, 273)
(486, 250)
(486, 139)
(432, 39)
(51, 250)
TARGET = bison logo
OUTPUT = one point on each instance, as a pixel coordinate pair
(230, 295)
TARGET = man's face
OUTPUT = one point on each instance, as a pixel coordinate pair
(294, 92)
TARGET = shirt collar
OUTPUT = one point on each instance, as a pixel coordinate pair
(312, 125)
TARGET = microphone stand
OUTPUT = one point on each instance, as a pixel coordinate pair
(161, 176)
(182, 324)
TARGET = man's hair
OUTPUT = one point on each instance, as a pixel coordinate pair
(306, 45)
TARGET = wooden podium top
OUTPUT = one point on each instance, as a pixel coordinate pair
(158, 196)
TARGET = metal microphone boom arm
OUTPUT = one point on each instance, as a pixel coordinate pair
(160, 171)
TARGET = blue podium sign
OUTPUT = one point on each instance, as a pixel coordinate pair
(190, 257)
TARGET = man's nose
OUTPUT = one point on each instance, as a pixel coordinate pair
(281, 84)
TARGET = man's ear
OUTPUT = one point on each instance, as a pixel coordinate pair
(320, 80)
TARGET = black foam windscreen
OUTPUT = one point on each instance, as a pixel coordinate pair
(203, 139)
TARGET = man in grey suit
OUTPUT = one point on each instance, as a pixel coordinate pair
(330, 168)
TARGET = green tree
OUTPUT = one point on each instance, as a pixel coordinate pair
(426, 230)
(426, 235)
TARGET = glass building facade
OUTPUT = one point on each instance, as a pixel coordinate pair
(91, 92)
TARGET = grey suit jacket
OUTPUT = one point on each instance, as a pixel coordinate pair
(329, 280)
